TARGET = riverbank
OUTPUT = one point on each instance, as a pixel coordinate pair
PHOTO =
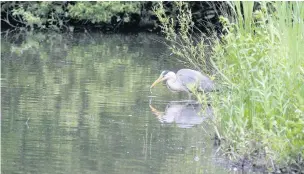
(259, 64)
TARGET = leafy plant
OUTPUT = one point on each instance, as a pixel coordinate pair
(180, 31)
(57, 15)
(103, 11)
(35, 14)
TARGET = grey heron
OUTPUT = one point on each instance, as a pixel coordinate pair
(185, 80)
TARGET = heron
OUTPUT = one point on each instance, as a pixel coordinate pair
(185, 80)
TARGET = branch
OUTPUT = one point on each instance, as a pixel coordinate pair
(7, 21)
(20, 21)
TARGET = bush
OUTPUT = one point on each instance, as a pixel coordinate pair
(34, 14)
(57, 15)
(103, 11)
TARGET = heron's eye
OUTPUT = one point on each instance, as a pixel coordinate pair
(164, 73)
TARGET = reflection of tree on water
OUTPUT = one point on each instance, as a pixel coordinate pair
(184, 114)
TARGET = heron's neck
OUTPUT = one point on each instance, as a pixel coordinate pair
(173, 84)
(172, 79)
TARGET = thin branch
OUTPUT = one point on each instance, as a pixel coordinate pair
(18, 20)
(8, 23)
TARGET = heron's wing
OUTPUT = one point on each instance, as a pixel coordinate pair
(187, 78)
(207, 85)
(190, 78)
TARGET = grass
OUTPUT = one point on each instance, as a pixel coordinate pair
(259, 62)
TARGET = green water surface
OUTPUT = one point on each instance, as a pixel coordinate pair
(79, 103)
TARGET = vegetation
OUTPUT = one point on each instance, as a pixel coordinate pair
(260, 64)
(191, 50)
(62, 15)
(257, 60)
(261, 57)
(101, 16)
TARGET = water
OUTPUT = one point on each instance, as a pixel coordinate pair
(81, 104)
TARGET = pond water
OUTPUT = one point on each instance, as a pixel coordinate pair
(81, 104)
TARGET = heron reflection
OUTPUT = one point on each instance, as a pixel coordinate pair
(183, 114)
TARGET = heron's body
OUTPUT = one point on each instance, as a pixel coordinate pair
(186, 80)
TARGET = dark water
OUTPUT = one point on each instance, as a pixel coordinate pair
(80, 104)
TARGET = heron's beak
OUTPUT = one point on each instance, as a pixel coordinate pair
(160, 79)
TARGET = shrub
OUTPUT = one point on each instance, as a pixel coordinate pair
(57, 15)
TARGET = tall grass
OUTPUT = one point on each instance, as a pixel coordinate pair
(262, 54)
(260, 64)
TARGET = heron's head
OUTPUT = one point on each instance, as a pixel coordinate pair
(165, 75)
